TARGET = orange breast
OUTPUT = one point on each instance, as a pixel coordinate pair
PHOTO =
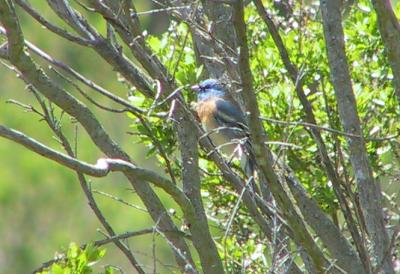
(206, 111)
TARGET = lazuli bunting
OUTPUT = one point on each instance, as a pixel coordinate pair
(224, 122)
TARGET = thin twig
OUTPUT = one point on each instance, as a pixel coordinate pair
(232, 216)
(83, 93)
(154, 11)
(54, 124)
(335, 131)
(118, 199)
(53, 28)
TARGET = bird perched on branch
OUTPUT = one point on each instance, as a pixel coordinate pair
(225, 123)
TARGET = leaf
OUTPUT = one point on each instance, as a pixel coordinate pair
(57, 269)
(136, 100)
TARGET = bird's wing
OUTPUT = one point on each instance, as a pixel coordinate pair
(229, 115)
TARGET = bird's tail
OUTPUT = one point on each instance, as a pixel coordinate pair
(248, 165)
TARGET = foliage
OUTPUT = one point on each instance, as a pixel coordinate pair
(304, 39)
(240, 242)
(78, 260)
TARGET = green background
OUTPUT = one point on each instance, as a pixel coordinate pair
(42, 208)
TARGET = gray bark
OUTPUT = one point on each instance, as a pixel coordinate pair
(389, 28)
(370, 195)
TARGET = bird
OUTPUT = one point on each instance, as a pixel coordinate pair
(225, 123)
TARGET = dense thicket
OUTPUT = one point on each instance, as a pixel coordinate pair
(318, 82)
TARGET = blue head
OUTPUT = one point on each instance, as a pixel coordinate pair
(209, 88)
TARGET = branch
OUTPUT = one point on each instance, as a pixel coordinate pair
(102, 242)
(345, 261)
(248, 200)
(221, 36)
(103, 47)
(201, 235)
(89, 83)
(54, 125)
(370, 195)
(3, 47)
(389, 28)
(180, 114)
(53, 28)
(100, 169)
(128, 107)
(328, 129)
(83, 115)
(263, 155)
(136, 44)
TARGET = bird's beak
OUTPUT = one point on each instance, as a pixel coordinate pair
(195, 87)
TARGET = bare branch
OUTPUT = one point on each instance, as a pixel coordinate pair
(54, 125)
(3, 47)
(202, 238)
(82, 78)
(334, 131)
(345, 261)
(370, 195)
(138, 48)
(284, 216)
(389, 28)
(72, 106)
(237, 183)
(102, 46)
(263, 155)
(100, 169)
(57, 30)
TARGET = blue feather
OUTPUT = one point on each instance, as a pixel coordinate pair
(209, 88)
(208, 93)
